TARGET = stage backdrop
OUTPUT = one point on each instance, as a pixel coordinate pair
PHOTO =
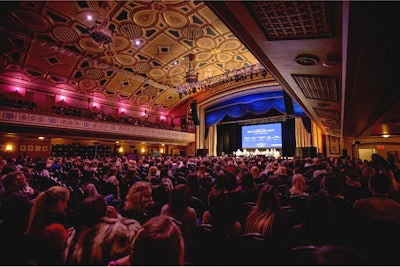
(229, 138)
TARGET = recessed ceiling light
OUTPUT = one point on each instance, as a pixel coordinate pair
(307, 60)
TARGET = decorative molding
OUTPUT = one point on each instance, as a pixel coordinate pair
(81, 125)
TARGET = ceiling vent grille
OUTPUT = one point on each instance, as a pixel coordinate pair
(282, 20)
(325, 113)
(317, 87)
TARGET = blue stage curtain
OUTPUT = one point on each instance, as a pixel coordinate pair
(257, 104)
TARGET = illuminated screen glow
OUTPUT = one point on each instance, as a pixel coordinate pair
(262, 136)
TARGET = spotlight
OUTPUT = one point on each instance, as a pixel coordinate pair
(264, 73)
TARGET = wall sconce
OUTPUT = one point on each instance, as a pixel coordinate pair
(9, 147)
(142, 150)
(385, 135)
(161, 150)
(41, 137)
(121, 149)
(122, 110)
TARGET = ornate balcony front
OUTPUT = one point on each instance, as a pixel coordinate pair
(29, 122)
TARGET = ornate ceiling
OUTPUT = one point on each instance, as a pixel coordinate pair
(336, 59)
(48, 42)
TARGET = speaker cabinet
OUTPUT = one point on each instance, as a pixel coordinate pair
(202, 152)
(306, 152)
(193, 108)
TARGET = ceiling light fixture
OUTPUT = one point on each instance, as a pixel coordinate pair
(193, 85)
(385, 135)
(99, 32)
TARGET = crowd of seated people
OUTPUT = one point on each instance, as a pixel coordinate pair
(84, 113)
(17, 103)
(200, 210)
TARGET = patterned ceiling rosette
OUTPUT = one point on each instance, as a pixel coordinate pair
(125, 59)
(224, 57)
(150, 91)
(157, 72)
(203, 56)
(192, 32)
(145, 18)
(130, 30)
(65, 34)
(87, 85)
(119, 43)
(206, 43)
(174, 19)
(143, 67)
(89, 45)
(233, 65)
(32, 20)
(94, 74)
(177, 80)
(229, 45)
(176, 71)
(142, 99)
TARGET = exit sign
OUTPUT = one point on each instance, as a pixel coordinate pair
(380, 147)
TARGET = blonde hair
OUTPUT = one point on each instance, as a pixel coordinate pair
(139, 197)
(152, 171)
(298, 184)
(42, 204)
(262, 216)
(255, 171)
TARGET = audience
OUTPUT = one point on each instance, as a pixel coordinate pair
(99, 234)
(264, 218)
(47, 226)
(139, 204)
(160, 242)
(338, 211)
(379, 206)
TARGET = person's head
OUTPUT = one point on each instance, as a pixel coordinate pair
(262, 216)
(389, 173)
(152, 171)
(53, 200)
(332, 185)
(90, 210)
(160, 242)
(15, 181)
(380, 184)
(192, 180)
(298, 183)
(139, 197)
(268, 199)
(130, 174)
(178, 199)
(255, 171)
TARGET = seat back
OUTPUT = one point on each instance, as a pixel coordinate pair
(198, 205)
